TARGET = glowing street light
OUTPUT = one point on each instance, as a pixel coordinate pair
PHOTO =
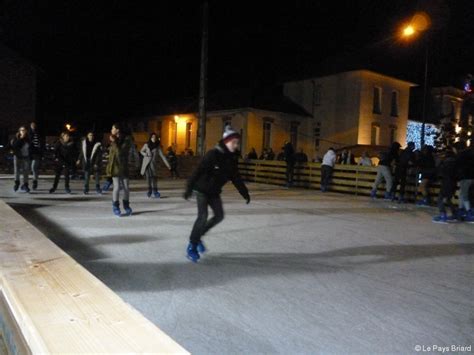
(68, 126)
(408, 31)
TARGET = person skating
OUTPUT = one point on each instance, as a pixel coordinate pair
(91, 160)
(150, 152)
(426, 166)
(21, 146)
(218, 166)
(37, 149)
(405, 161)
(327, 167)
(384, 171)
(289, 154)
(65, 158)
(118, 169)
(465, 174)
(447, 173)
(173, 160)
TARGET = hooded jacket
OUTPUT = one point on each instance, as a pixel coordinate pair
(216, 168)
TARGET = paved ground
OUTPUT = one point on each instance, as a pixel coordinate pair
(294, 272)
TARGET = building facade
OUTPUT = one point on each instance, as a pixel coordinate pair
(354, 108)
(264, 121)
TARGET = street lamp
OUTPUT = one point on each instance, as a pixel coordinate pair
(419, 23)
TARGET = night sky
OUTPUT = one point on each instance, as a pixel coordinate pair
(110, 57)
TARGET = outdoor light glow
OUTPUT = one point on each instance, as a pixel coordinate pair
(458, 128)
(414, 133)
(408, 31)
(68, 126)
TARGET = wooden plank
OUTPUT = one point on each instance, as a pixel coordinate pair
(59, 306)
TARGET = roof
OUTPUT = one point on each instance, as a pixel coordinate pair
(269, 99)
(360, 70)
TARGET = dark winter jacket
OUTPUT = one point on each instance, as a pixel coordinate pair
(36, 144)
(447, 173)
(427, 166)
(91, 155)
(465, 164)
(65, 153)
(406, 159)
(289, 153)
(217, 167)
(390, 156)
(21, 147)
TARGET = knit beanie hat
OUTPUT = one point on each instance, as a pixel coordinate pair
(229, 134)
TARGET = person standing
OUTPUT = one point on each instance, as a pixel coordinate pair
(447, 173)
(252, 154)
(217, 167)
(21, 146)
(150, 152)
(365, 160)
(406, 161)
(91, 160)
(465, 173)
(384, 171)
(327, 166)
(173, 160)
(118, 169)
(37, 148)
(289, 154)
(65, 158)
(426, 166)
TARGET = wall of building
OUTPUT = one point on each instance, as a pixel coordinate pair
(385, 120)
(342, 104)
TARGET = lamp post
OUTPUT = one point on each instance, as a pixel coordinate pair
(420, 23)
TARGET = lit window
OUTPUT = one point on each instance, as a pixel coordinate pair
(394, 104)
(267, 130)
(377, 104)
(375, 134)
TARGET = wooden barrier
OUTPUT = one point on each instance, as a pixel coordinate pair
(51, 304)
(352, 179)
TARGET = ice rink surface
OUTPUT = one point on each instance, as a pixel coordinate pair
(294, 272)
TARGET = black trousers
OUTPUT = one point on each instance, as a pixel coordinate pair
(400, 179)
(202, 224)
(67, 172)
(446, 193)
(326, 175)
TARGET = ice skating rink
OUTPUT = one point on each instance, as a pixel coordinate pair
(294, 272)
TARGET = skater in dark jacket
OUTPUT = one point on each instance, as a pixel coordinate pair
(21, 146)
(447, 173)
(465, 174)
(427, 169)
(289, 154)
(218, 166)
(65, 157)
(384, 170)
(405, 162)
(173, 160)
(91, 160)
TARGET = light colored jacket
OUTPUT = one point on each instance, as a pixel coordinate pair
(150, 159)
(329, 158)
